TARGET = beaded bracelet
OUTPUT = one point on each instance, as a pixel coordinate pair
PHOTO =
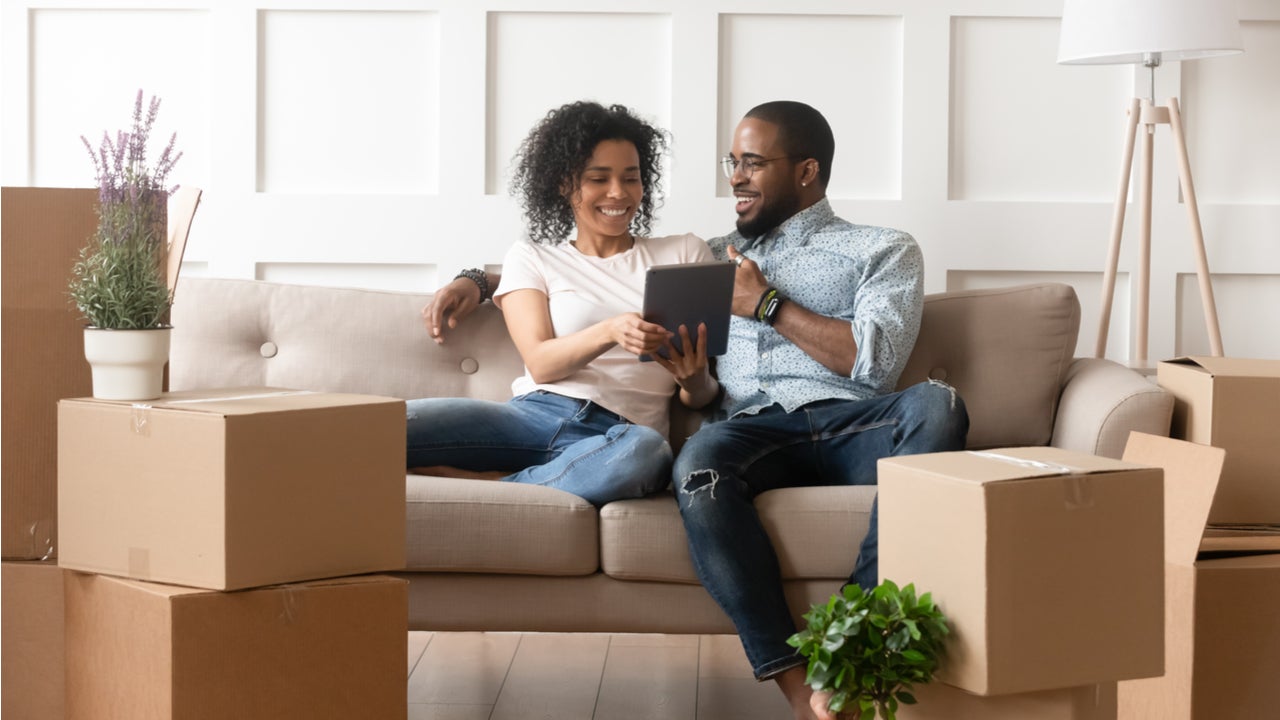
(477, 276)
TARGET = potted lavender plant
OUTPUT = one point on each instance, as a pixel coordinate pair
(118, 283)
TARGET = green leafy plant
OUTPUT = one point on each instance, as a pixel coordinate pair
(870, 649)
(119, 281)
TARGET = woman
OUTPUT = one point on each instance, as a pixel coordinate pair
(587, 417)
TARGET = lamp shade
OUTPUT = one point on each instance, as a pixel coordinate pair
(1103, 32)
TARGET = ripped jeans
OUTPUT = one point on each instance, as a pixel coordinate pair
(541, 438)
(725, 465)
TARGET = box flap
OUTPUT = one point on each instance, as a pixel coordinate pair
(150, 588)
(1230, 366)
(1229, 539)
(984, 467)
(1191, 473)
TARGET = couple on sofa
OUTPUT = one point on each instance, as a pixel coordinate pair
(825, 317)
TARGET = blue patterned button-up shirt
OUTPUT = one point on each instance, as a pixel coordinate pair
(872, 277)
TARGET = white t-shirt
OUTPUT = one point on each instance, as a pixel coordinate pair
(582, 290)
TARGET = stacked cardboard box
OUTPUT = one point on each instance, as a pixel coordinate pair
(219, 535)
(43, 355)
(32, 660)
(43, 361)
(1049, 567)
(1233, 404)
(1221, 627)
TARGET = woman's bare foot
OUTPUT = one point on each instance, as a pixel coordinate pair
(453, 472)
(791, 683)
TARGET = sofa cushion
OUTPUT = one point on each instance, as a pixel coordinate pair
(816, 532)
(455, 525)
(1006, 351)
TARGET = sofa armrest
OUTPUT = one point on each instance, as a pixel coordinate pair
(1102, 401)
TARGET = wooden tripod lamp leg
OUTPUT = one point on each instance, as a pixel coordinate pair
(1197, 232)
(1142, 289)
(1117, 230)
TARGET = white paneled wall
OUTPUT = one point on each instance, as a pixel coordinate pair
(369, 143)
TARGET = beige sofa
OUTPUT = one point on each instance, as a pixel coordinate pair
(501, 556)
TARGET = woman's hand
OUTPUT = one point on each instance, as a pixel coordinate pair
(449, 306)
(636, 335)
(691, 368)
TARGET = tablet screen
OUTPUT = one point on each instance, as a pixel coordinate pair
(688, 294)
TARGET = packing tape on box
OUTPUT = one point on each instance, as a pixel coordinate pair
(139, 562)
(1077, 487)
(1037, 464)
(253, 396)
(289, 603)
(141, 419)
(41, 542)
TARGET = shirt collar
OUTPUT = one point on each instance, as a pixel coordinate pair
(800, 224)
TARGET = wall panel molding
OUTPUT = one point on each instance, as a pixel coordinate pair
(368, 144)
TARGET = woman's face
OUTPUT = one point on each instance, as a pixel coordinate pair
(609, 190)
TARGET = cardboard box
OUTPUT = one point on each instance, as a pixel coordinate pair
(42, 353)
(1222, 628)
(324, 649)
(1047, 563)
(1233, 404)
(232, 488)
(938, 701)
(32, 662)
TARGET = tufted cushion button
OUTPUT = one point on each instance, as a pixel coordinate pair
(268, 349)
(938, 374)
(469, 365)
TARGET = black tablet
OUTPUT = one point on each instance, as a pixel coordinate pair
(688, 294)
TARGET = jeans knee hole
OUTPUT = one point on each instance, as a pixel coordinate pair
(700, 481)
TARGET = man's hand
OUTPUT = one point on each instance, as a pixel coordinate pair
(449, 306)
(748, 284)
(690, 369)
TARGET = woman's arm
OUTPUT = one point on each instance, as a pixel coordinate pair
(452, 303)
(550, 358)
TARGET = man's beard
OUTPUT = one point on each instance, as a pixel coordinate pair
(770, 216)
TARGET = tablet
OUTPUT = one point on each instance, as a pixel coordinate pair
(688, 294)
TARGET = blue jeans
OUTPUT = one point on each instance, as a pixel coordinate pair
(541, 438)
(725, 465)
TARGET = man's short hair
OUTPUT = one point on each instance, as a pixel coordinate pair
(802, 131)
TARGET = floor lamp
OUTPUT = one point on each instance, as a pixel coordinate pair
(1101, 32)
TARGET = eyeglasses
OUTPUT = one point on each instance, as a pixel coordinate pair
(749, 165)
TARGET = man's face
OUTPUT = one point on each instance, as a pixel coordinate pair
(771, 193)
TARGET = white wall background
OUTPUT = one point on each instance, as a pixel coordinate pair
(367, 143)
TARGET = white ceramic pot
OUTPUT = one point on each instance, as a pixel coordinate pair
(127, 364)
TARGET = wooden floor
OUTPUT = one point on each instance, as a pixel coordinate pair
(532, 676)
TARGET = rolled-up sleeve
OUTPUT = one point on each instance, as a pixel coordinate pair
(889, 301)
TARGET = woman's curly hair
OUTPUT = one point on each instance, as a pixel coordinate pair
(554, 155)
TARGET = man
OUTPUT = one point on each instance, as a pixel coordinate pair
(825, 316)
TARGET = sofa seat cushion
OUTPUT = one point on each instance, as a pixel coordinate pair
(816, 532)
(490, 526)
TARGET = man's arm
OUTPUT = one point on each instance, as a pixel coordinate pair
(825, 339)
(452, 303)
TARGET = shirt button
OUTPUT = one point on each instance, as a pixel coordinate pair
(764, 354)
